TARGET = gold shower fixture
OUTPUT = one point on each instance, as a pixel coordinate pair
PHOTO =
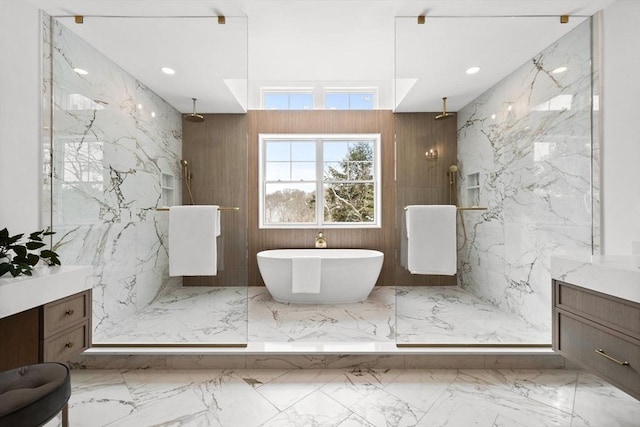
(194, 117)
(444, 114)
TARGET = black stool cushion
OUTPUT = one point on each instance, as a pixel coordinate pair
(32, 395)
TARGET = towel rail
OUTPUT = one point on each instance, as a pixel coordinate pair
(470, 208)
(221, 208)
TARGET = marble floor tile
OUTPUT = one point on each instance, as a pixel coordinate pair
(372, 403)
(599, 404)
(344, 398)
(421, 387)
(286, 390)
(315, 409)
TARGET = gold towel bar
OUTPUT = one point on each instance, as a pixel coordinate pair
(470, 208)
(221, 208)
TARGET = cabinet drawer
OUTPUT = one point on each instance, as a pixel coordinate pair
(63, 346)
(579, 340)
(63, 313)
(618, 314)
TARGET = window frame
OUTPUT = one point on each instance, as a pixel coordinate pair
(319, 140)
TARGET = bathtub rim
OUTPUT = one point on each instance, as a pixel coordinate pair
(333, 253)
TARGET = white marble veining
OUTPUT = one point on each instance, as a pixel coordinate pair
(113, 139)
(525, 153)
(617, 275)
(45, 285)
(346, 398)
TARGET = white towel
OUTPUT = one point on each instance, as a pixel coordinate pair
(305, 275)
(192, 240)
(431, 239)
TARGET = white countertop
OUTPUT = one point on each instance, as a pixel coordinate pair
(47, 284)
(616, 275)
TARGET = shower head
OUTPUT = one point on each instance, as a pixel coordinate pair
(444, 114)
(184, 163)
(193, 117)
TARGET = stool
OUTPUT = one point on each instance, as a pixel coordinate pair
(32, 395)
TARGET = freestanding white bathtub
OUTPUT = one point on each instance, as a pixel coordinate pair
(346, 275)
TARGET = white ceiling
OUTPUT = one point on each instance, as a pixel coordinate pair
(320, 43)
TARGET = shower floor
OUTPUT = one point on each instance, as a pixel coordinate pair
(425, 315)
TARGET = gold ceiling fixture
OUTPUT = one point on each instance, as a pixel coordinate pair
(564, 19)
(222, 20)
(422, 19)
(79, 19)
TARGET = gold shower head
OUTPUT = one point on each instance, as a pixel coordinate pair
(194, 117)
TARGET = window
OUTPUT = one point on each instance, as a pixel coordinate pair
(319, 98)
(349, 100)
(287, 100)
(343, 169)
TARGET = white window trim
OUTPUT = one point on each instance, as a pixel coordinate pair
(377, 180)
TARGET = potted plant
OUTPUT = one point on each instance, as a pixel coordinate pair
(18, 258)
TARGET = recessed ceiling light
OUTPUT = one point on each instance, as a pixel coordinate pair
(559, 70)
(81, 71)
(168, 70)
(473, 70)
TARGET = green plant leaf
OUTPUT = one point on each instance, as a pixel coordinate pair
(20, 251)
(5, 267)
(36, 235)
(32, 259)
(35, 245)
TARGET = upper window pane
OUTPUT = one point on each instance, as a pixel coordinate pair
(287, 100)
(303, 151)
(349, 101)
(276, 101)
(352, 161)
(278, 151)
(303, 171)
(301, 101)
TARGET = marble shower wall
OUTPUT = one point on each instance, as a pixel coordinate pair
(525, 152)
(116, 152)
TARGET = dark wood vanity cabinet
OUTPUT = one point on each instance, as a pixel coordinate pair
(599, 332)
(53, 332)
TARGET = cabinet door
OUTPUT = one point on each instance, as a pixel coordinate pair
(614, 356)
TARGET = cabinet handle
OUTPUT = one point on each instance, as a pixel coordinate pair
(606, 356)
(69, 312)
(69, 345)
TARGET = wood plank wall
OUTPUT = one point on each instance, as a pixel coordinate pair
(421, 181)
(216, 150)
(323, 122)
(224, 163)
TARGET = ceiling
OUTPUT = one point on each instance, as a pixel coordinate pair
(320, 43)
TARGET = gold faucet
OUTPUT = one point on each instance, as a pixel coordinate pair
(321, 241)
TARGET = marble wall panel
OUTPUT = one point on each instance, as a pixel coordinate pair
(528, 139)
